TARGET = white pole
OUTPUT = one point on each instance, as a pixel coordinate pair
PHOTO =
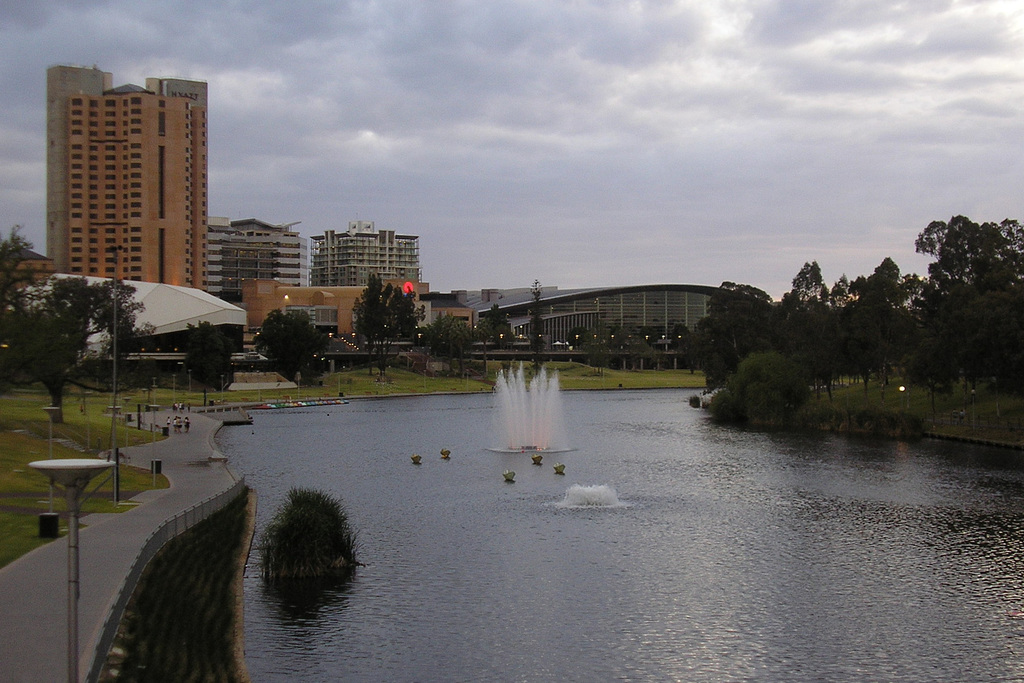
(73, 587)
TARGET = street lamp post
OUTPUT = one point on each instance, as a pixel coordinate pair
(116, 251)
(88, 430)
(50, 411)
(74, 475)
(152, 420)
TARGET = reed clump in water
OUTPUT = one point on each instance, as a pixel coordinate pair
(309, 537)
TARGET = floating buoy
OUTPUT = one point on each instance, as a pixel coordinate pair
(415, 460)
(536, 457)
(559, 468)
(509, 475)
(445, 453)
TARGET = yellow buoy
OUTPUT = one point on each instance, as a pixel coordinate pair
(415, 460)
(536, 457)
(559, 468)
(509, 475)
(445, 453)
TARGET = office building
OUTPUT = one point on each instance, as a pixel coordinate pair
(346, 259)
(251, 249)
(126, 177)
(330, 308)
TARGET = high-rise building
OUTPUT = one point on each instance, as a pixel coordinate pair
(126, 177)
(347, 259)
(251, 249)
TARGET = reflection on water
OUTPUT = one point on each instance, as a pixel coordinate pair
(304, 602)
(738, 555)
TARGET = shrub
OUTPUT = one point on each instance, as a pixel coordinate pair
(309, 537)
(766, 389)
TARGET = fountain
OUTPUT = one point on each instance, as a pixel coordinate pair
(529, 416)
(577, 496)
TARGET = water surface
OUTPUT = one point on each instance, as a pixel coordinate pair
(730, 554)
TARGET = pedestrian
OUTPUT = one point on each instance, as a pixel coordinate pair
(187, 424)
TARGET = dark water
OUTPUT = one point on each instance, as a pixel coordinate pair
(735, 555)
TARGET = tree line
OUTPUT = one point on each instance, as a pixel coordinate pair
(57, 331)
(960, 326)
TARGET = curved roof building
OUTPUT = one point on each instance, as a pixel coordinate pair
(657, 309)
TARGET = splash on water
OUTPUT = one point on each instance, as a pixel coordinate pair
(529, 416)
(577, 496)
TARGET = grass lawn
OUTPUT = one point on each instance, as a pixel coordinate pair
(987, 415)
(24, 493)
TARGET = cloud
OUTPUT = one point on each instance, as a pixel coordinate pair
(580, 143)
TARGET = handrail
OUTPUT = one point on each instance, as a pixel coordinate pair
(169, 529)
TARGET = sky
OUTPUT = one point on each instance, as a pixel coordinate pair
(578, 143)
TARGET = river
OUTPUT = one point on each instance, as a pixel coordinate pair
(707, 553)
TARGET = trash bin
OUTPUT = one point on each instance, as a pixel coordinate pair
(49, 525)
(156, 466)
(166, 430)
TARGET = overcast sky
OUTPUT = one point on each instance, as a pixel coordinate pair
(579, 143)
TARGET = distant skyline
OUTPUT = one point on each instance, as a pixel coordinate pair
(580, 144)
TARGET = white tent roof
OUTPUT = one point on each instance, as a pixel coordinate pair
(170, 308)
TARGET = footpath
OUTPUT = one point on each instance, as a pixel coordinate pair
(34, 588)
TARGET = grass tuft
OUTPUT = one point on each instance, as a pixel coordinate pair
(309, 537)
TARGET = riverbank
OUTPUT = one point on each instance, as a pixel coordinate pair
(185, 618)
(112, 553)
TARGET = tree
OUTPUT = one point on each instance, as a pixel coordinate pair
(449, 336)
(767, 388)
(536, 326)
(383, 315)
(493, 328)
(52, 332)
(208, 352)
(13, 277)
(682, 340)
(13, 280)
(290, 341)
(985, 257)
(970, 301)
(808, 324)
(738, 323)
(877, 324)
(597, 346)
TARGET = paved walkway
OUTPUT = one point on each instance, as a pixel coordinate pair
(33, 589)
